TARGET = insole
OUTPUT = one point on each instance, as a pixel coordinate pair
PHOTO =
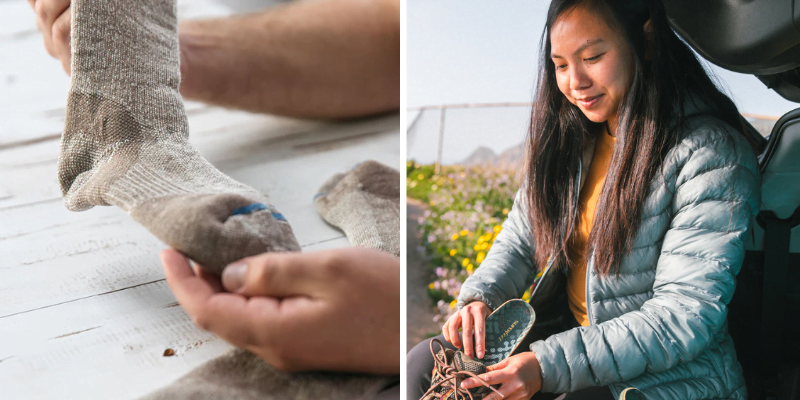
(506, 327)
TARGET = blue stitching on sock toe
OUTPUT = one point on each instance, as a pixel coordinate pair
(320, 194)
(278, 216)
(249, 208)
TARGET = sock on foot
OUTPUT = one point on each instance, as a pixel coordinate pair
(125, 141)
(365, 204)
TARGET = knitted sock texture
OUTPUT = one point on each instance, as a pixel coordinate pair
(240, 375)
(365, 204)
(125, 141)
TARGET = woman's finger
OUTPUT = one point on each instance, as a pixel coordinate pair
(498, 366)
(491, 378)
(466, 333)
(453, 330)
(480, 332)
(455, 319)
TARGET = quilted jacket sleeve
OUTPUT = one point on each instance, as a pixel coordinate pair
(507, 270)
(715, 194)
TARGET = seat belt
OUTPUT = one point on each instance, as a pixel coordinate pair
(777, 240)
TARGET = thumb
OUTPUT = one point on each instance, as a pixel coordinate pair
(268, 274)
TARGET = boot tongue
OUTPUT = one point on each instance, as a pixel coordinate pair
(464, 362)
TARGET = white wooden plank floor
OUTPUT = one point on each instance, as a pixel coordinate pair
(84, 309)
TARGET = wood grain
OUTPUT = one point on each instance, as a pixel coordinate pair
(85, 312)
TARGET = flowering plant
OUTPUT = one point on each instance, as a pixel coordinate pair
(466, 207)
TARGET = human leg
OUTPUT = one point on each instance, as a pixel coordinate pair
(419, 366)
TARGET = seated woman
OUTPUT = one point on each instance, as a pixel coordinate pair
(640, 187)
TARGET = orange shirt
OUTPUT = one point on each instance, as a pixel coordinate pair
(590, 193)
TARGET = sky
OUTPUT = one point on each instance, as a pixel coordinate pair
(471, 51)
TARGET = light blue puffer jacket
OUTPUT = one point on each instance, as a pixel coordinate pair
(661, 327)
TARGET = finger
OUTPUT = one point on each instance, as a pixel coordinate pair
(210, 278)
(466, 334)
(50, 10)
(491, 378)
(498, 366)
(32, 3)
(232, 317)
(60, 37)
(47, 36)
(238, 319)
(480, 332)
(190, 290)
(453, 330)
(455, 319)
(272, 274)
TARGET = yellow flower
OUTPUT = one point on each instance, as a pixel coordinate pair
(470, 268)
(465, 262)
(497, 228)
(433, 204)
(506, 211)
(434, 187)
(464, 232)
(480, 257)
(430, 286)
(452, 252)
(420, 177)
(453, 304)
(454, 237)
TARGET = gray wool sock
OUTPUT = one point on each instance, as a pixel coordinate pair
(125, 141)
(240, 375)
(365, 204)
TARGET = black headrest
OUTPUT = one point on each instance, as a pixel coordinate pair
(759, 37)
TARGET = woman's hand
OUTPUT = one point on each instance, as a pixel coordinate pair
(471, 317)
(520, 377)
(53, 20)
(328, 310)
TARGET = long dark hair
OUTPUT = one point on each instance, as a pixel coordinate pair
(647, 130)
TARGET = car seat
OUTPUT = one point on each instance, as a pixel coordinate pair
(762, 37)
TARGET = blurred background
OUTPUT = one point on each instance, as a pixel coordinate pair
(472, 68)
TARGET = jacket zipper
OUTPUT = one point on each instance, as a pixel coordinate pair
(586, 283)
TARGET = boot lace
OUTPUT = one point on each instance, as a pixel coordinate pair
(449, 377)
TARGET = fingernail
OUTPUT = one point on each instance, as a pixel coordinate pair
(465, 383)
(233, 276)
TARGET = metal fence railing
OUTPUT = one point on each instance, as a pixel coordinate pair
(449, 134)
(482, 132)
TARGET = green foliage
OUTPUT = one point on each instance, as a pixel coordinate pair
(467, 206)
